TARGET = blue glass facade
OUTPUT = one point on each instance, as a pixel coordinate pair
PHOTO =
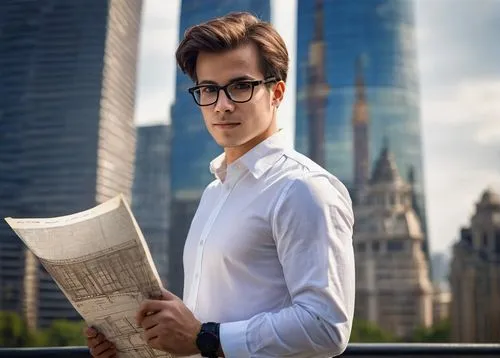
(151, 191)
(67, 137)
(192, 146)
(357, 59)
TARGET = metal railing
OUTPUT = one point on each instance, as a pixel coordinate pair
(363, 350)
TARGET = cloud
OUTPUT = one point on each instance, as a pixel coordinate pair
(153, 108)
(156, 67)
(453, 196)
(461, 154)
(456, 39)
(460, 80)
(473, 102)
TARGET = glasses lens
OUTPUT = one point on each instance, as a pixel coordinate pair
(205, 95)
(240, 91)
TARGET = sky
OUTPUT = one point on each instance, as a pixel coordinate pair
(459, 64)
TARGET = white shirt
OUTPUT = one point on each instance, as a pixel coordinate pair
(269, 255)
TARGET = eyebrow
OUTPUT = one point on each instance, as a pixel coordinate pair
(235, 79)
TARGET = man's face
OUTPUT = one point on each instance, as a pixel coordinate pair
(234, 124)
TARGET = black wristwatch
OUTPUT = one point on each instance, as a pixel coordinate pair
(208, 341)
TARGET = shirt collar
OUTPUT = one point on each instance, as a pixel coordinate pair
(257, 160)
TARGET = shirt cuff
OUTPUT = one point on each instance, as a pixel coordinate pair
(233, 339)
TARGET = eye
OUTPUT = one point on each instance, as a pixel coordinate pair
(208, 89)
(241, 86)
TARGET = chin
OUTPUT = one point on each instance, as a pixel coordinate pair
(229, 143)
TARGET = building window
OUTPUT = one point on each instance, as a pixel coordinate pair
(485, 241)
(375, 246)
(395, 245)
(467, 236)
(393, 199)
(497, 242)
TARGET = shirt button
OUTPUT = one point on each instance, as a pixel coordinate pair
(202, 242)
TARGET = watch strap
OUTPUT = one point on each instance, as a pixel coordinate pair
(212, 329)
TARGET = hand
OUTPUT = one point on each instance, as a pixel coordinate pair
(98, 345)
(169, 325)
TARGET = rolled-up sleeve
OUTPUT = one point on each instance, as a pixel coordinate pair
(312, 227)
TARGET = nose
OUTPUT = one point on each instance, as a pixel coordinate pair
(223, 104)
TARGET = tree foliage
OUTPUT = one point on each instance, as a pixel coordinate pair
(438, 333)
(15, 333)
(367, 332)
(13, 330)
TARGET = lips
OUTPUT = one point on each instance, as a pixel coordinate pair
(226, 125)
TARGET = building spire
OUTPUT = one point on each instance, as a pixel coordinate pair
(360, 130)
(317, 89)
(360, 81)
(319, 21)
(385, 169)
(385, 146)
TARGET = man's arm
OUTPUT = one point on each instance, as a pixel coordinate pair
(312, 226)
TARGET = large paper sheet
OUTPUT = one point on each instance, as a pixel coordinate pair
(101, 262)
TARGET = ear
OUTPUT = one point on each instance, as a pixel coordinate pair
(278, 93)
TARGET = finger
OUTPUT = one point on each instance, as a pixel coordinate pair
(148, 307)
(149, 321)
(109, 354)
(95, 341)
(167, 295)
(105, 347)
(112, 353)
(91, 332)
(150, 334)
(154, 342)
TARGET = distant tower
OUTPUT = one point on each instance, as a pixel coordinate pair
(393, 288)
(317, 89)
(384, 33)
(360, 123)
(474, 275)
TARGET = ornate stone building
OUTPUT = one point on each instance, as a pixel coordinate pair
(393, 288)
(475, 275)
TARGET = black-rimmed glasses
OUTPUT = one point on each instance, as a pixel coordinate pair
(238, 91)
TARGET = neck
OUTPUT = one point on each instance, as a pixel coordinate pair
(234, 153)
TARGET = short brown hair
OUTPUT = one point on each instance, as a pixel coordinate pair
(229, 32)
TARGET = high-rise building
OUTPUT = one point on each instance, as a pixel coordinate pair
(192, 146)
(357, 87)
(67, 90)
(475, 275)
(151, 191)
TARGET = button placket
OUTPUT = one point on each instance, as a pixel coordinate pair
(204, 235)
(199, 254)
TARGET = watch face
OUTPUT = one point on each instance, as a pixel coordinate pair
(207, 342)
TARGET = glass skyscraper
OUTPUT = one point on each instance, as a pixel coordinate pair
(151, 191)
(67, 137)
(358, 89)
(192, 146)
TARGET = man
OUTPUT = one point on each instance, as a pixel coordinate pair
(268, 261)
